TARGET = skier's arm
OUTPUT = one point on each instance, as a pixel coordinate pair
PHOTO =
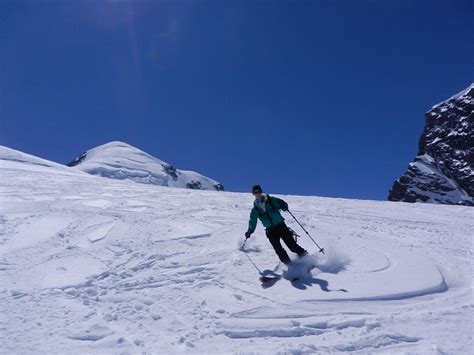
(282, 204)
(252, 221)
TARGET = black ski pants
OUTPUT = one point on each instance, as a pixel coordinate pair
(281, 231)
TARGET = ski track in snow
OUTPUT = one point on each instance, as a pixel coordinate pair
(95, 265)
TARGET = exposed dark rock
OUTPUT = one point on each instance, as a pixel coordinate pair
(219, 187)
(171, 171)
(442, 171)
(195, 185)
(78, 160)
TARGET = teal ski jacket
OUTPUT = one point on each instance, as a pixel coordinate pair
(271, 216)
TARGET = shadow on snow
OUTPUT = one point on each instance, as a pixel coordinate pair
(301, 284)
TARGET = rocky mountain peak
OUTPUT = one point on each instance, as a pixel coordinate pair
(442, 171)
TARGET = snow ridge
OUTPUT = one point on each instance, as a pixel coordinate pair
(14, 159)
(457, 96)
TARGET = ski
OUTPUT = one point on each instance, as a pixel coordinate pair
(264, 279)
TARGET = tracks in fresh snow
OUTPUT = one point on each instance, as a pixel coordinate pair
(109, 266)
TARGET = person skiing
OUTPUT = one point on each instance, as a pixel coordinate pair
(267, 209)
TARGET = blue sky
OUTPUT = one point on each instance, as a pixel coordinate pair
(304, 97)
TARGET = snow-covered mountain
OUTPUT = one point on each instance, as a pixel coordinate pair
(103, 266)
(118, 160)
(442, 171)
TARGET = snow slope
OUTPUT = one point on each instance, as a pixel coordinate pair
(107, 266)
(118, 160)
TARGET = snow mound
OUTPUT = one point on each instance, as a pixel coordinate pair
(118, 160)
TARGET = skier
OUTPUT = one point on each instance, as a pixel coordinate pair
(267, 209)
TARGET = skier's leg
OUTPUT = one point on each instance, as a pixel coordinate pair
(276, 244)
(287, 237)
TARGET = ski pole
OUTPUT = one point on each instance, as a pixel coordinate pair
(321, 250)
(248, 257)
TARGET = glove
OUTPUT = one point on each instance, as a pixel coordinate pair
(247, 235)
